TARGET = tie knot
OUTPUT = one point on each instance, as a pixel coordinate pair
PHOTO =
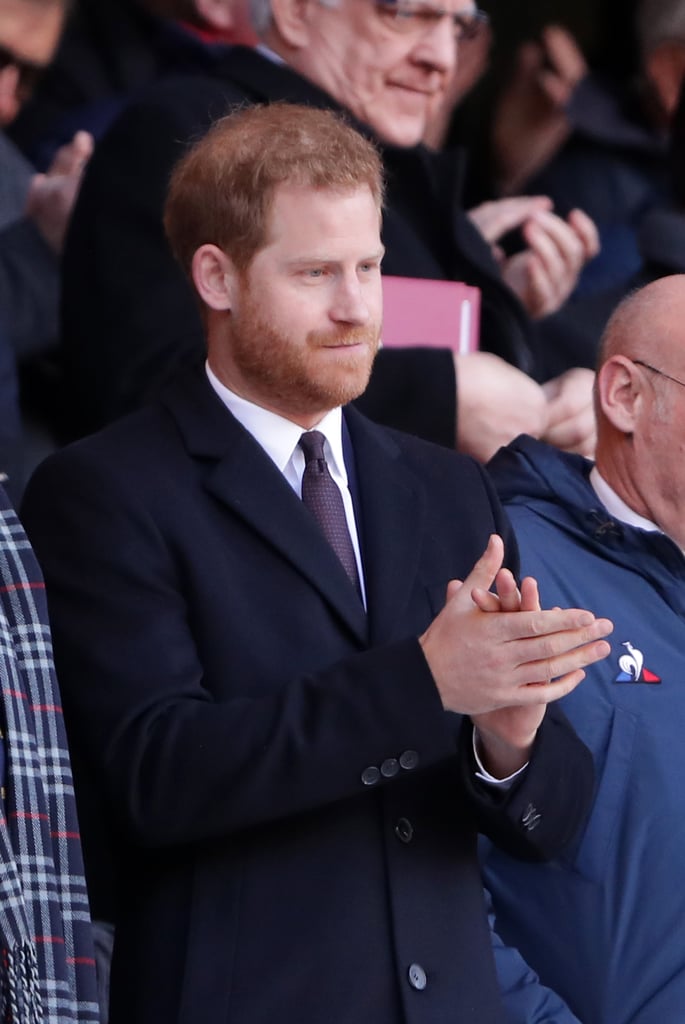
(311, 444)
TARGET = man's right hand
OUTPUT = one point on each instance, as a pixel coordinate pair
(495, 403)
(485, 660)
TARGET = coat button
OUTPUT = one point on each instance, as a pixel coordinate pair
(417, 977)
(404, 830)
(409, 760)
(370, 776)
(390, 768)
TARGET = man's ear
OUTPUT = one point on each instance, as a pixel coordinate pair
(291, 21)
(214, 277)
(621, 390)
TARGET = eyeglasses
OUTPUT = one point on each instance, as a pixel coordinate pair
(28, 73)
(648, 366)
(416, 18)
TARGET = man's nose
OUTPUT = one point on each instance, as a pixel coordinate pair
(438, 45)
(350, 303)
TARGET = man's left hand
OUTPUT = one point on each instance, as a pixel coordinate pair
(505, 736)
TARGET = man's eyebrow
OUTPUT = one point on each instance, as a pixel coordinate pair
(296, 261)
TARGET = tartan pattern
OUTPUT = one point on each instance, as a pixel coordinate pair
(47, 964)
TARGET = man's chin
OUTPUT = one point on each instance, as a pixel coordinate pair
(348, 384)
(403, 131)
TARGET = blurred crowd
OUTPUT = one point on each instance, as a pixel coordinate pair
(556, 136)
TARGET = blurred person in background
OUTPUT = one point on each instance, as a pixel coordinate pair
(389, 65)
(34, 214)
(110, 51)
(590, 138)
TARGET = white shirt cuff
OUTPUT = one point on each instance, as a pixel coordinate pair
(485, 775)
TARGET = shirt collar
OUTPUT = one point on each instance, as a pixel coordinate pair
(270, 54)
(617, 506)
(279, 437)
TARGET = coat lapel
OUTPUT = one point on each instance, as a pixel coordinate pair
(391, 511)
(244, 479)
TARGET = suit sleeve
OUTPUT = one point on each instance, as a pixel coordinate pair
(548, 803)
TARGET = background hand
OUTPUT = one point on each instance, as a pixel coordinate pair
(570, 408)
(495, 403)
(545, 274)
(52, 195)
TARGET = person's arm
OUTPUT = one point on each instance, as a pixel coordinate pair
(28, 268)
(414, 390)
(476, 402)
(30, 247)
(531, 121)
(523, 730)
(29, 288)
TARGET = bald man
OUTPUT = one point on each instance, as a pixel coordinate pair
(604, 926)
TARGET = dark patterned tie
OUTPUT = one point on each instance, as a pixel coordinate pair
(322, 496)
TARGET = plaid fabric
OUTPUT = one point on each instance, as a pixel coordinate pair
(47, 966)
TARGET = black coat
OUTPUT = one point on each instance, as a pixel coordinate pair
(226, 695)
(129, 316)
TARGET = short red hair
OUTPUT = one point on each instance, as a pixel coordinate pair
(221, 191)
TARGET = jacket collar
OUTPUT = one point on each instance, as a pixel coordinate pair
(555, 486)
(238, 473)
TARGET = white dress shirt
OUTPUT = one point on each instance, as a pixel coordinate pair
(280, 438)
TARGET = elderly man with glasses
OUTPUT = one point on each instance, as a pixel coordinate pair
(388, 65)
(612, 535)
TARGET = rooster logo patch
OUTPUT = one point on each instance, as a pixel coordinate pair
(632, 667)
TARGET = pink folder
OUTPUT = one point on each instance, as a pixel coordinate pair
(435, 314)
